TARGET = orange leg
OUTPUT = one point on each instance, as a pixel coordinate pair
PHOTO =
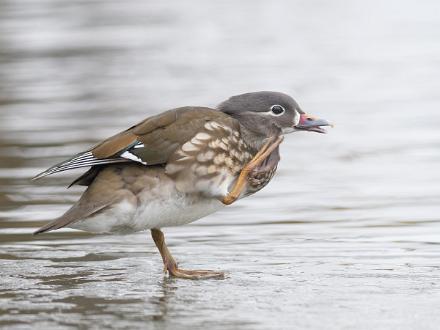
(261, 155)
(170, 264)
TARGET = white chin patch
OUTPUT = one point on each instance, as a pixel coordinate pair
(288, 130)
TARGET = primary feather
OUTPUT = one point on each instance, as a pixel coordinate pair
(83, 159)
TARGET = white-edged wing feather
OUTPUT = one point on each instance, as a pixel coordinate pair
(81, 160)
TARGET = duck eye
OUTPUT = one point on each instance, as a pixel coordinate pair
(277, 109)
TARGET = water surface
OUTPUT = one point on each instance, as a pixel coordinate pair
(345, 237)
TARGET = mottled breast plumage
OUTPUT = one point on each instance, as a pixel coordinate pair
(212, 160)
(261, 175)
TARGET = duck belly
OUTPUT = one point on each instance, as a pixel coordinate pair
(162, 206)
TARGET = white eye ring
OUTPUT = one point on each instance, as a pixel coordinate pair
(277, 110)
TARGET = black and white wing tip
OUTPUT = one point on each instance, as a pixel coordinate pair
(80, 160)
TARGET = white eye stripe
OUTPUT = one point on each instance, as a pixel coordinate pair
(297, 114)
(277, 110)
(297, 117)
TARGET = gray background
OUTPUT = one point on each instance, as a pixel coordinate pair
(345, 237)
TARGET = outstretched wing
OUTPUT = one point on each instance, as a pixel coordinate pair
(151, 142)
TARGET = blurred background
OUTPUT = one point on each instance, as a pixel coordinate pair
(345, 237)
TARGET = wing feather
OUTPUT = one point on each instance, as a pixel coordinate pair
(84, 159)
(151, 142)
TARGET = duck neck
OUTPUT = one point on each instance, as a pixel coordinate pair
(253, 139)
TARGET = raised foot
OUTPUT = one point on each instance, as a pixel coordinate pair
(196, 274)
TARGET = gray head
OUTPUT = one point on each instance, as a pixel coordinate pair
(270, 113)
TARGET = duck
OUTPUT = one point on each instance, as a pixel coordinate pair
(179, 166)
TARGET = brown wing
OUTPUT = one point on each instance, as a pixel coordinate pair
(150, 142)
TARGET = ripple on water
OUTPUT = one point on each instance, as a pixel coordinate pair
(345, 236)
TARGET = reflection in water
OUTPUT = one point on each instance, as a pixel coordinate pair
(346, 235)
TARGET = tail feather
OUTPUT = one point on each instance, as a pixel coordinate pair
(78, 211)
(48, 227)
